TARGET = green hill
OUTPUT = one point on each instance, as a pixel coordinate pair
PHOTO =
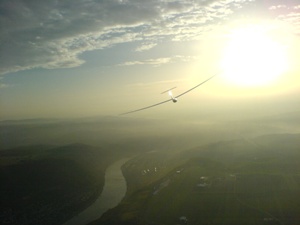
(48, 185)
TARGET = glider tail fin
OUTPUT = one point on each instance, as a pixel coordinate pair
(168, 90)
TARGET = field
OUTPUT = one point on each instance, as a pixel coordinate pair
(233, 182)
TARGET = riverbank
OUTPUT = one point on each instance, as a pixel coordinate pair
(49, 185)
(113, 192)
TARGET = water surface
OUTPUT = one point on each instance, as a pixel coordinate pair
(113, 192)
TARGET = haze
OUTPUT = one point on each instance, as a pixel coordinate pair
(69, 69)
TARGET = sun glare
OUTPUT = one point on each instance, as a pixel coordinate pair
(253, 58)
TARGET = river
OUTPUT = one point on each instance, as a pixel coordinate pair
(113, 192)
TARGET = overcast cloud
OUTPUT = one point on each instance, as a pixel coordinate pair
(52, 33)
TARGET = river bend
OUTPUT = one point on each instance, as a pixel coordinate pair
(113, 192)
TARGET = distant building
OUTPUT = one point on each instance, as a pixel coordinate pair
(179, 171)
(202, 185)
(183, 219)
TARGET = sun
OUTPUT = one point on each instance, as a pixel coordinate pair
(253, 58)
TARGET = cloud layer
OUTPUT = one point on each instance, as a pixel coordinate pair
(52, 33)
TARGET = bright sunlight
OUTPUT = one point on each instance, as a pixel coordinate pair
(253, 58)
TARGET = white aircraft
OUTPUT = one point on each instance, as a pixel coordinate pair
(173, 99)
(170, 94)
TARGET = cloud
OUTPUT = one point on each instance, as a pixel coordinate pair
(145, 47)
(4, 85)
(291, 15)
(154, 62)
(274, 7)
(52, 34)
(157, 83)
(160, 61)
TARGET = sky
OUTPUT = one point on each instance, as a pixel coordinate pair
(82, 58)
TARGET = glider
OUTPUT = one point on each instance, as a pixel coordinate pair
(173, 99)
